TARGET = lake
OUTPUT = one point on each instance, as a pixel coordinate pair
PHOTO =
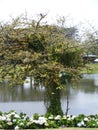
(83, 97)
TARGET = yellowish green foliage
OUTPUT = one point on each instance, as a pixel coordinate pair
(30, 48)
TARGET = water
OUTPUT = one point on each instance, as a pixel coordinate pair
(83, 98)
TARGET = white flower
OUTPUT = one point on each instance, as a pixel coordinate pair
(31, 119)
(36, 121)
(41, 123)
(64, 117)
(3, 118)
(12, 113)
(29, 123)
(86, 119)
(60, 75)
(9, 123)
(16, 128)
(42, 120)
(58, 117)
(8, 119)
(46, 124)
(50, 117)
(73, 117)
(81, 124)
(25, 117)
(17, 116)
(8, 116)
(69, 118)
(14, 120)
(21, 124)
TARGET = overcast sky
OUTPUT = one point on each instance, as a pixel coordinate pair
(79, 11)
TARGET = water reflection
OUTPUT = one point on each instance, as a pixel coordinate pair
(94, 77)
(82, 97)
(21, 93)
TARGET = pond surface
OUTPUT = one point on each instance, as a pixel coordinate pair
(83, 98)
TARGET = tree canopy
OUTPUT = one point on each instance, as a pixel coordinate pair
(33, 48)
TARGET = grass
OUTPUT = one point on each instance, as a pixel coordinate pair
(80, 129)
(91, 68)
(64, 129)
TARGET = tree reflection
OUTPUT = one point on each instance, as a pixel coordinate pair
(55, 99)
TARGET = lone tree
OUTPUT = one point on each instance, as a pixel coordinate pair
(41, 51)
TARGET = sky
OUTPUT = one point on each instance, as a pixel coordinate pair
(75, 11)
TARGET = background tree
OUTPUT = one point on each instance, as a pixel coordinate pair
(91, 42)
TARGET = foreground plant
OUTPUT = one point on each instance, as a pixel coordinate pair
(12, 120)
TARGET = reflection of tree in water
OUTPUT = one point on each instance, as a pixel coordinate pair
(52, 100)
(87, 86)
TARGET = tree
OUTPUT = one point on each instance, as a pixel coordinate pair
(91, 42)
(41, 51)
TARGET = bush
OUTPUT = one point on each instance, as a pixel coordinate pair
(12, 120)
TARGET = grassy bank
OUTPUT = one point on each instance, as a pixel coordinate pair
(64, 129)
(91, 68)
(78, 129)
